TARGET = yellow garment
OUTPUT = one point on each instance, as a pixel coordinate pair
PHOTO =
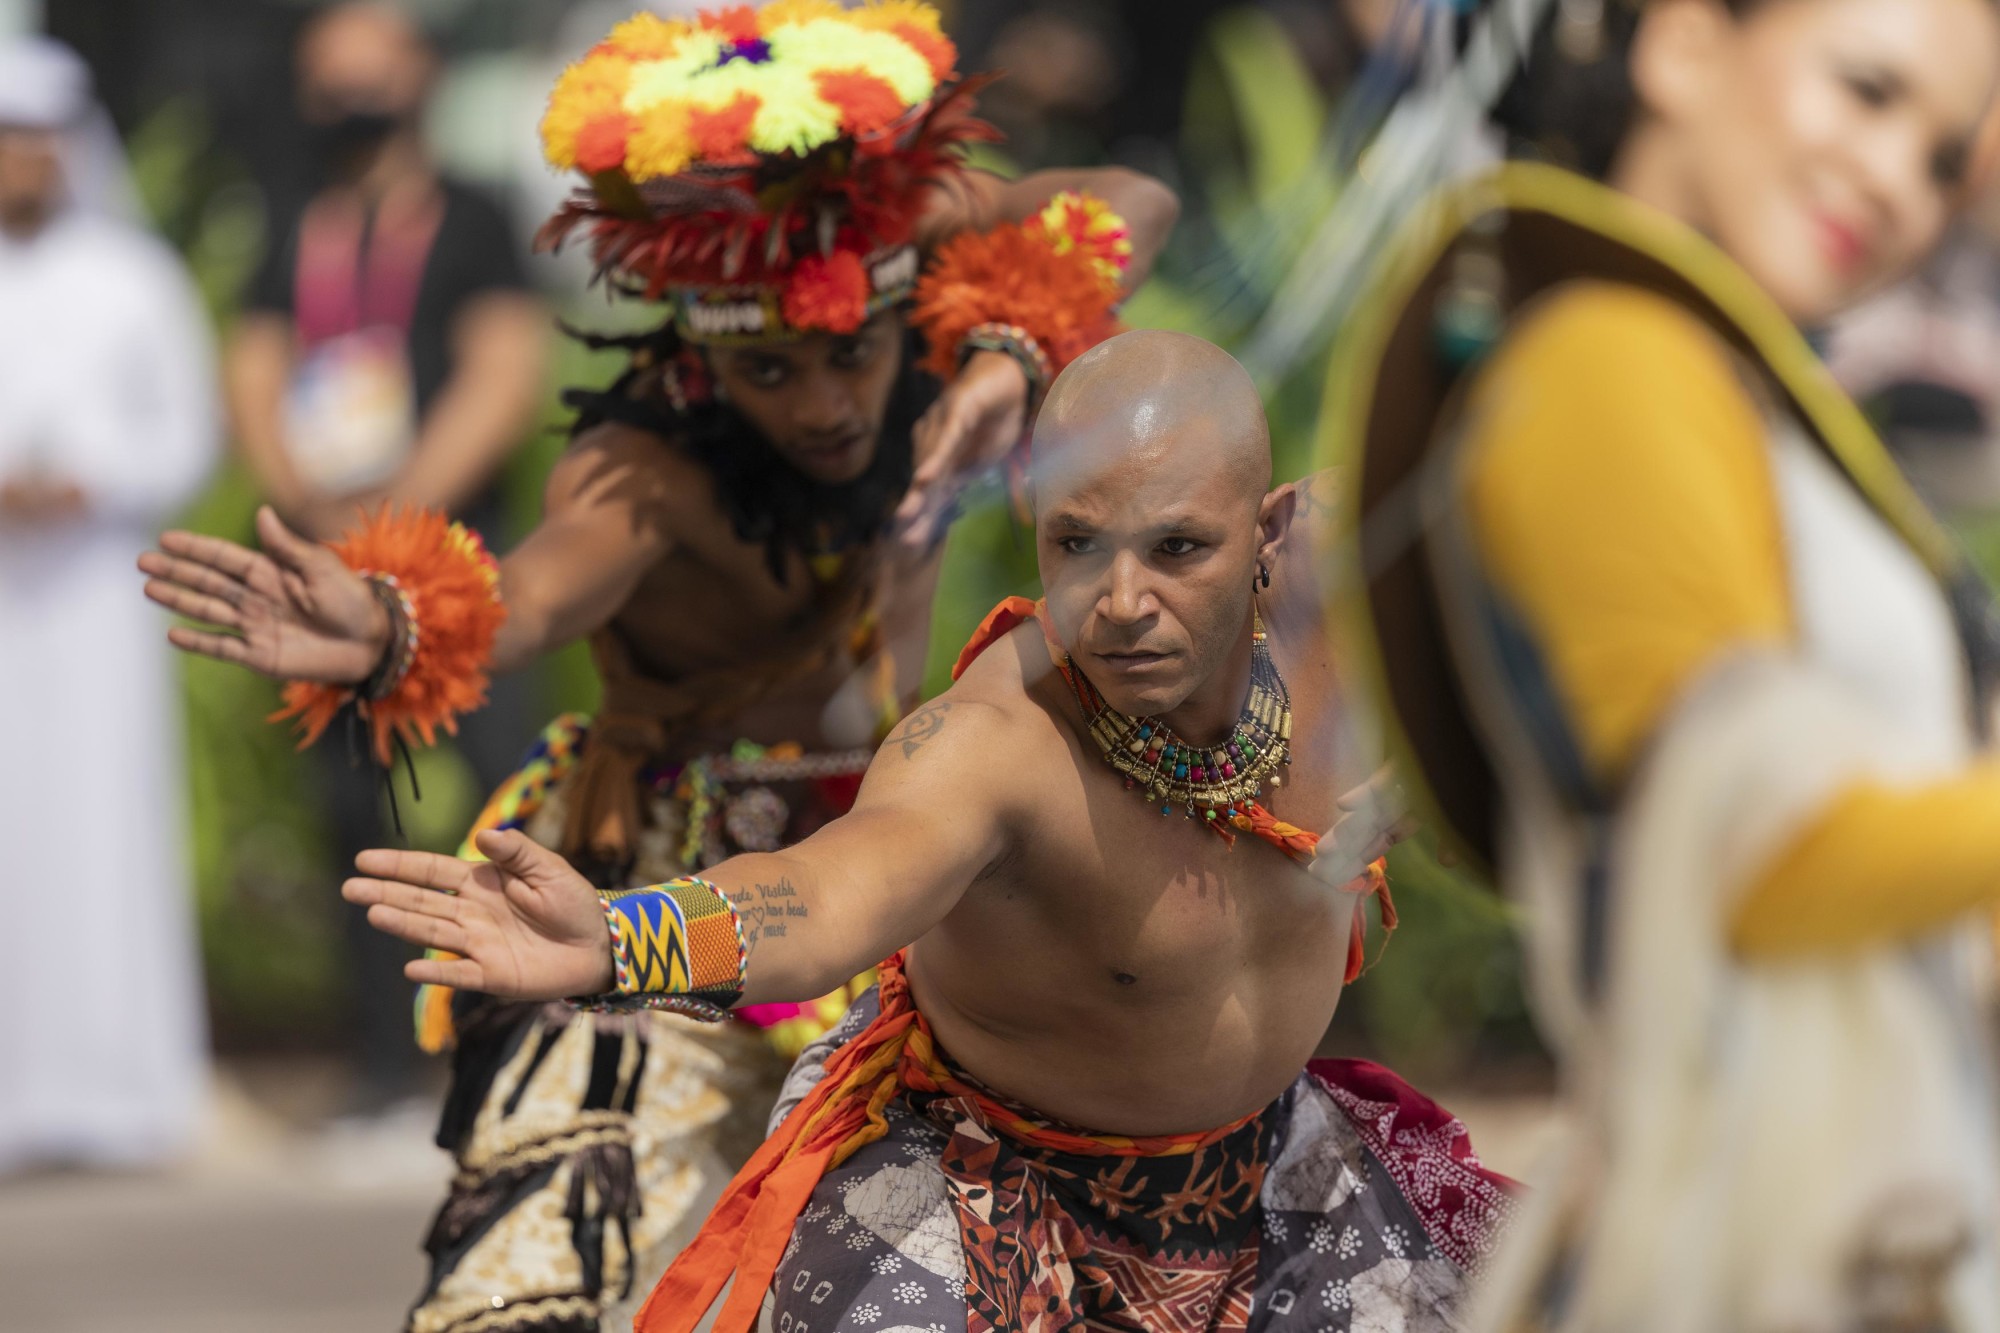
(1621, 497)
(1623, 504)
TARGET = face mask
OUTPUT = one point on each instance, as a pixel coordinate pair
(345, 142)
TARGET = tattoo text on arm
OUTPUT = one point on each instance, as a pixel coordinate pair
(768, 910)
(920, 727)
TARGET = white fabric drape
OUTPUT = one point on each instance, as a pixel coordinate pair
(106, 381)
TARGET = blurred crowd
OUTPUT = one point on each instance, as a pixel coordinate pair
(260, 252)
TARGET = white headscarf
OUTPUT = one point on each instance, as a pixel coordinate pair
(45, 85)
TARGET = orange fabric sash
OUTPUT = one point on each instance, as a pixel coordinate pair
(745, 1237)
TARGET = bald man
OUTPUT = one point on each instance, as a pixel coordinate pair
(1076, 950)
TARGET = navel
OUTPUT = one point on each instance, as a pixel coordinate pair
(1125, 978)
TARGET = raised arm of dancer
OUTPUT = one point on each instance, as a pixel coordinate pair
(934, 811)
(1622, 496)
(293, 611)
(984, 411)
(980, 199)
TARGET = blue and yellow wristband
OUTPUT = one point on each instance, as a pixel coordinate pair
(676, 946)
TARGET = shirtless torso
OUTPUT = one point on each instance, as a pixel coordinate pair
(1110, 966)
(692, 598)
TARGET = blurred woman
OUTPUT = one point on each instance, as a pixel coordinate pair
(1665, 642)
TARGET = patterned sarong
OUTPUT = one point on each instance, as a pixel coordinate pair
(896, 1194)
(588, 1144)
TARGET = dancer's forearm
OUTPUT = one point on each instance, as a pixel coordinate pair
(930, 817)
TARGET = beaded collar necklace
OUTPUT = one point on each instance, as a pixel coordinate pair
(1221, 782)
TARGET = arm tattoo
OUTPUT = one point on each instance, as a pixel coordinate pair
(921, 726)
(768, 910)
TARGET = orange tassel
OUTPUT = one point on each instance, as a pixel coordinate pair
(454, 586)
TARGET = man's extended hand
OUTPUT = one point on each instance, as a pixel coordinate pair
(524, 924)
(972, 426)
(1373, 818)
(292, 611)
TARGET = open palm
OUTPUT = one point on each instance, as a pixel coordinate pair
(523, 924)
(292, 610)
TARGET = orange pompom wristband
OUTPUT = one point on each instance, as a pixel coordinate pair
(1035, 275)
(449, 588)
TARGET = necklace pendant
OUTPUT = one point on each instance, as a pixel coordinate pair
(1207, 782)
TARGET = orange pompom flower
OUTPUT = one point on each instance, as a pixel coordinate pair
(737, 23)
(827, 292)
(1013, 275)
(867, 104)
(452, 586)
(600, 145)
(916, 23)
(591, 88)
(719, 136)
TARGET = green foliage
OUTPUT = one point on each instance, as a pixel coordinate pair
(262, 880)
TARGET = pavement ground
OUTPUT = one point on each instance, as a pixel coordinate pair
(285, 1223)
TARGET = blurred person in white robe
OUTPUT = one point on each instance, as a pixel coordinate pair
(107, 426)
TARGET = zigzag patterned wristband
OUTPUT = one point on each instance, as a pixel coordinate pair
(677, 946)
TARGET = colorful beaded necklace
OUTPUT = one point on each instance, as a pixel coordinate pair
(1223, 780)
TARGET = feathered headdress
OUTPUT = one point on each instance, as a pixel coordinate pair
(762, 169)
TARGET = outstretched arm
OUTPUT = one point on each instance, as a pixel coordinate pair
(932, 813)
(979, 199)
(293, 611)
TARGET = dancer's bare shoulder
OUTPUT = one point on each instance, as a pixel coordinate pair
(983, 739)
(614, 472)
(1014, 677)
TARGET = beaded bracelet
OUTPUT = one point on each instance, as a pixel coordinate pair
(404, 638)
(1016, 342)
(677, 946)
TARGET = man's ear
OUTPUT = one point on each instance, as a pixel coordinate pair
(1274, 521)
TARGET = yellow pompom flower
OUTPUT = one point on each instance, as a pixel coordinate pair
(1075, 221)
(670, 79)
(793, 118)
(594, 86)
(887, 14)
(659, 145)
(714, 89)
(781, 12)
(831, 44)
(647, 36)
(656, 72)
